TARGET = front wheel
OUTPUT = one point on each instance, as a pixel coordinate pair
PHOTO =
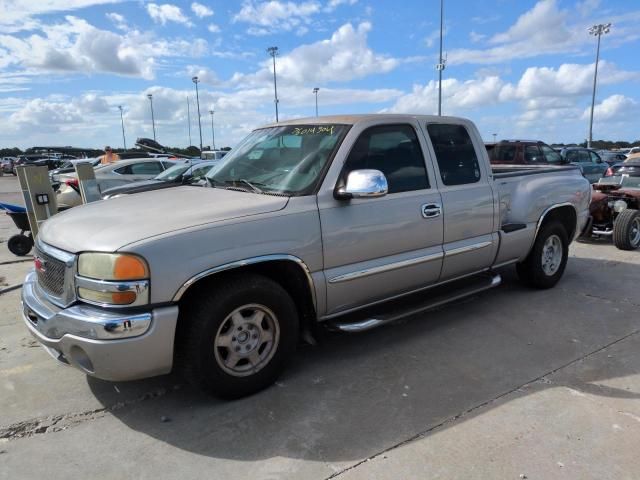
(236, 337)
(547, 260)
(626, 230)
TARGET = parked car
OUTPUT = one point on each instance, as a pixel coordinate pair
(311, 221)
(7, 164)
(592, 166)
(615, 208)
(523, 152)
(213, 154)
(109, 176)
(190, 173)
(612, 157)
(69, 167)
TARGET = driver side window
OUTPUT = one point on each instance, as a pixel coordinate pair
(395, 151)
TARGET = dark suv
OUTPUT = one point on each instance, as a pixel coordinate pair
(523, 152)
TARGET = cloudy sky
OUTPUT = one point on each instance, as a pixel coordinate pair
(517, 68)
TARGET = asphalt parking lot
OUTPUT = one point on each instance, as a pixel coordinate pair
(511, 383)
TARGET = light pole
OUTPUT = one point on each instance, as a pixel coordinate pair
(153, 120)
(195, 80)
(598, 31)
(213, 134)
(273, 51)
(189, 119)
(315, 90)
(494, 137)
(124, 140)
(441, 63)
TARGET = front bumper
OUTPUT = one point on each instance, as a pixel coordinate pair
(110, 345)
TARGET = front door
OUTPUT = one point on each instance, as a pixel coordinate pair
(378, 247)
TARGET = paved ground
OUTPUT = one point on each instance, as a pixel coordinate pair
(507, 384)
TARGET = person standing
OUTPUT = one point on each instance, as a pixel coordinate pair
(109, 156)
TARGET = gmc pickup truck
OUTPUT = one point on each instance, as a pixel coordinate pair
(347, 221)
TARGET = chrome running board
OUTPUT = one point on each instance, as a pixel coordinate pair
(416, 303)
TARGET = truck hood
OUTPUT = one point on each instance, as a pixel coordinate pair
(108, 225)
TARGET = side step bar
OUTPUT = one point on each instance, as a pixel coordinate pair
(416, 303)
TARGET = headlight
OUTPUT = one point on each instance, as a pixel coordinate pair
(117, 279)
(112, 266)
(619, 205)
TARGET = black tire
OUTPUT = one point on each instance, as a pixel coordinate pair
(626, 234)
(531, 271)
(207, 313)
(20, 245)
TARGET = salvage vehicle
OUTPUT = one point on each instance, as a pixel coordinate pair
(349, 222)
(592, 166)
(108, 176)
(190, 173)
(615, 207)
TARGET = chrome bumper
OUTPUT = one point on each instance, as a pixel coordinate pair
(110, 345)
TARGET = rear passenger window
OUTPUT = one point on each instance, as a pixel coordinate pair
(395, 151)
(456, 156)
(146, 168)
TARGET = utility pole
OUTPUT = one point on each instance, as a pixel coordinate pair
(598, 31)
(189, 119)
(213, 135)
(441, 64)
(494, 137)
(196, 81)
(124, 140)
(153, 120)
(273, 51)
(315, 90)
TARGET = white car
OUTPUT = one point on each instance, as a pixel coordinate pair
(111, 175)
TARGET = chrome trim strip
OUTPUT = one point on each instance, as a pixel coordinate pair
(607, 233)
(140, 287)
(66, 257)
(69, 259)
(386, 268)
(244, 263)
(467, 249)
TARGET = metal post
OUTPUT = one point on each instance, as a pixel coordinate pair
(598, 31)
(494, 137)
(273, 51)
(441, 64)
(189, 119)
(124, 140)
(315, 90)
(213, 134)
(195, 80)
(153, 120)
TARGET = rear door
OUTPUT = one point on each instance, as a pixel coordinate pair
(470, 244)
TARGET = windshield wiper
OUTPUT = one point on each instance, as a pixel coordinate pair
(246, 182)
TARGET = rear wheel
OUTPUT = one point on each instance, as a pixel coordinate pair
(626, 230)
(547, 260)
(236, 338)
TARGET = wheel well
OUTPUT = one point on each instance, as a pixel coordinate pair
(566, 215)
(286, 273)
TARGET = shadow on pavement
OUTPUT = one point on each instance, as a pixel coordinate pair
(355, 395)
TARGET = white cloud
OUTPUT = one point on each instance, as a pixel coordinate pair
(615, 107)
(167, 13)
(213, 28)
(343, 57)
(201, 10)
(118, 20)
(333, 4)
(275, 15)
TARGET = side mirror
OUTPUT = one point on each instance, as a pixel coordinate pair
(187, 177)
(363, 184)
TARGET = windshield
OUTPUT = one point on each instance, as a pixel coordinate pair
(625, 181)
(172, 173)
(287, 160)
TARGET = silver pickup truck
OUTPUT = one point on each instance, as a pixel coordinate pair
(346, 221)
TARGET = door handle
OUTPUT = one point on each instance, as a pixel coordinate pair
(431, 210)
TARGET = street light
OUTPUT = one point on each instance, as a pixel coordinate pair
(213, 135)
(494, 137)
(441, 63)
(189, 119)
(196, 81)
(315, 90)
(124, 140)
(153, 120)
(273, 51)
(597, 30)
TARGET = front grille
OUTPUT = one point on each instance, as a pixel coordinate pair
(50, 274)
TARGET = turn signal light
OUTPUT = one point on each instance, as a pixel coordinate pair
(111, 298)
